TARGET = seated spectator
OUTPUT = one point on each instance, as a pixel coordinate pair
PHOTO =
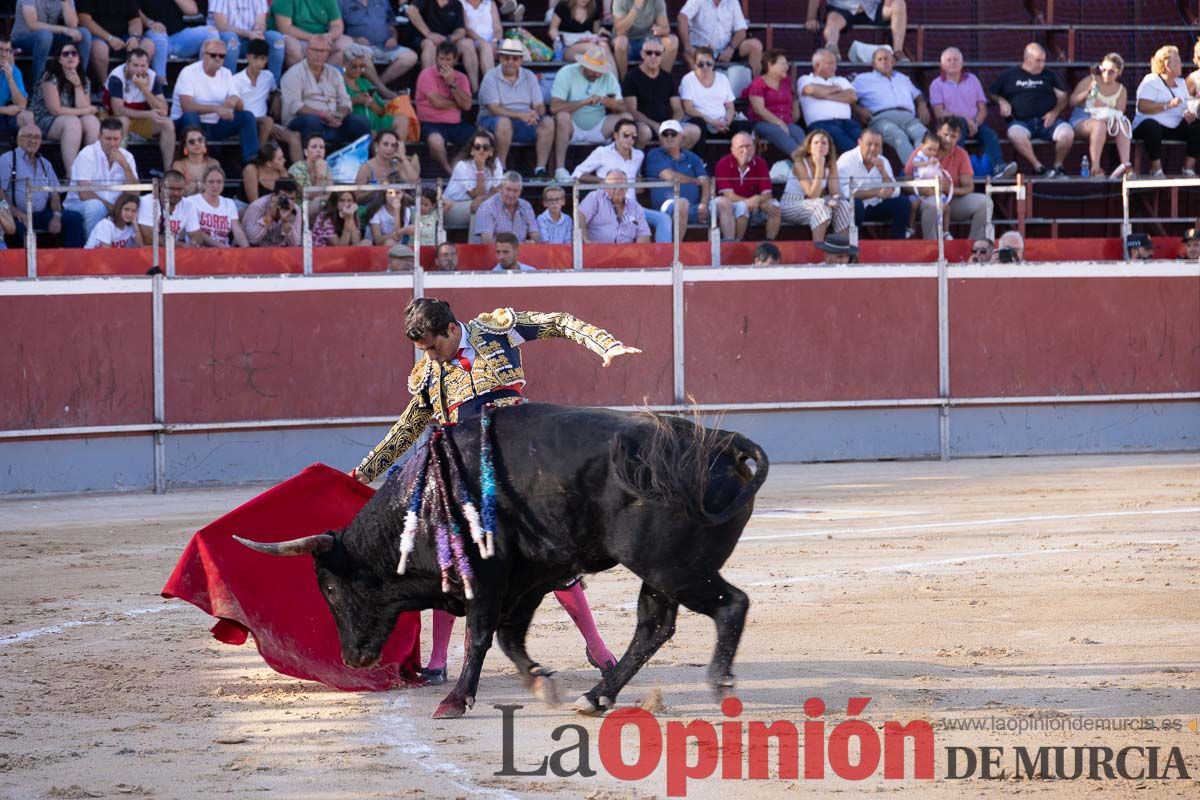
(254, 85)
(966, 203)
(838, 250)
(773, 108)
(577, 24)
(8, 225)
(273, 220)
(1010, 248)
(165, 26)
(651, 97)
(476, 177)
(671, 162)
(205, 95)
(119, 228)
(442, 95)
(483, 33)
(1193, 78)
(440, 21)
(193, 161)
(1139, 247)
(843, 15)
(429, 225)
(889, 103)
(315, 99)
(372, 24)
(813, 195)
(240, 22)
(260, 175)
(743, 181)
(634, 24)
(1031, 98)
(826, 99)
(389, 216)
(512, 108)
(401, 258)
(27, 164)
(720, 26)
(586, 103)
(185, 222)
(1099, 101)
(506, 212)
(217, 215)
(389, 163)
(621, 156)
(605, 216)
(767, 255)
(1163, 112)
(104, 162)
(508, 254)
(876, 197)
(62, 104)
(708, 98)
(39, 26)
(553, 225)
(312, 171)
(960, 93)
(982, 252)
(445, 258)
(134, 95)
(338, 225)
(1191, 245)
(303, 21)
(365, 100)
(116, 27)
(925, 164)
(13, 98)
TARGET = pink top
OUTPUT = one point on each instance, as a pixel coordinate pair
(960, 98)
(430, 82)
(778, 101)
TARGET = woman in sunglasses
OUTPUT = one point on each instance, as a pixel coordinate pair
(193, 160)
(476, 177)
(62, 103)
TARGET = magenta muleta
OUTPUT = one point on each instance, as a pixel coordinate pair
(733, 749)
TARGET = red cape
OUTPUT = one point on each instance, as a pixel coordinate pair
(277, 598)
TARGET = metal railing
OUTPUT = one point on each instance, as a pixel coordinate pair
(306, 222)
(1133, 184)
(631, 188)
(31, 188)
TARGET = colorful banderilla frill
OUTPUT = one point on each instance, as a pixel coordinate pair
(487, 480)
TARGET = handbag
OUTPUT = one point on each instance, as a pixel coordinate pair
(401, 106)
(1118, 124)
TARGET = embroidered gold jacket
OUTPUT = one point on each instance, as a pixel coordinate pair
(439, 389)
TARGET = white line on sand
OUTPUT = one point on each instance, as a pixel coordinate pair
(25, 636)
(911, 565)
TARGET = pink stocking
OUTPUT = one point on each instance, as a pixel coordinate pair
(443, 627)
(576, 604)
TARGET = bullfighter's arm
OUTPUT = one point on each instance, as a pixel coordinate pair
(399, 439)
(528, 325)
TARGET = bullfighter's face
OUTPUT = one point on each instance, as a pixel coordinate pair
(442, 348)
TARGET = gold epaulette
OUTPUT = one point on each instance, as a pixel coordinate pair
(501, 320)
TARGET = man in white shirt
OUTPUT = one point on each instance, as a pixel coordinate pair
(206, 96)
(621, 156)
(720, 25)
(845, 14)
(103, 161)
(825, 100)
(876, 197)
(889, 103)
(185, 223)
(135, 95)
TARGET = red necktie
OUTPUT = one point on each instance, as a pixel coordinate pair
(462, 360)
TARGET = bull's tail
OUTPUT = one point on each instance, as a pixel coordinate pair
(747, 450)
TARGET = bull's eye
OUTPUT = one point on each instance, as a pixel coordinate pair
(329, 589)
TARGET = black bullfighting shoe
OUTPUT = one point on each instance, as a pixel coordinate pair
(433, 677)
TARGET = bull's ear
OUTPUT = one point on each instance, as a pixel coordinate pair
(295, 547)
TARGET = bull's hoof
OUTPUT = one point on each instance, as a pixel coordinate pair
(723, 687)
(545, 688)
(453, 707)
(592, 708)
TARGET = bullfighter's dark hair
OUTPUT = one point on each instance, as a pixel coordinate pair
(425, 317)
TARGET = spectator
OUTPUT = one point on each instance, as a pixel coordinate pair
(605, 216)
(134, 95)
(240, 22)
(442, 95)
(843, 15)
(826, 99)
(315, 99)
(254, 85)
(273, 220)
(813, 195)
(982, 252)
(185, 223)
(26, 164)
(554, 226)
(8, 224)
(708, 98)
(960, 93)
(164, 23)
(261, 174)
(720, 26)
(587, 104)
(365, 100)
(401, 258)
(338, 225)
(13, 97)
(1031, 98)
(1191, 245)
(62, 104)
(119, 228)
(508, 254)
(482, 26)
(312, 171)
(445, 258)
(506, 212)
(512, 108)
(389, 218)
(876, 197)
(1099, 101)
(671, 162)
(767, 255)
(217, 215)
(744, 181)
(838, 250)
(116, 26)
(635, 22)
(651, 96)
(621, 156)
(388, 163)
(1163, 112)
(966, 203)
(440, 21)
(205, 95)
(926, 165)
(1139, 247)
(303, 21)
(773, 108)
(577, 24)
(372, 24)
(429, 225)
(1010, 248)
(889, 103)
(194, 160)
(103, 162)
(476, 177)
(1193, 78)
(40, 25)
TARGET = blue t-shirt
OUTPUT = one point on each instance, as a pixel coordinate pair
(6, 93)
(688, 164)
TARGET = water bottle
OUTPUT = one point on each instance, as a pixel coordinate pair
(558, 49)
(1085, 168)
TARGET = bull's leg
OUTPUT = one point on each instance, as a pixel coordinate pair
(511, 637)
(726, 605)
(483, 615)
(656, 624)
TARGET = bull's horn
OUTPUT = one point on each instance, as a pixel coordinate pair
(296, 547)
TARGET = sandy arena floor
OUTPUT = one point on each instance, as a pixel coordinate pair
(1035, 591)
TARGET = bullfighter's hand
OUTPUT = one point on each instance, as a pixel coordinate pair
(619, 350)
(358, 476)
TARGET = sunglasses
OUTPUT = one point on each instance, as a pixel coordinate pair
(214, 55)
(652, 52)
(705, 64)
(667, 134)
(66, 53)
(481, 146)
(195, 141)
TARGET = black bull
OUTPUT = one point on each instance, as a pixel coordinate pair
(579, 490)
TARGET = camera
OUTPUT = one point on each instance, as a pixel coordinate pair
(1007, 255)
(284, 203)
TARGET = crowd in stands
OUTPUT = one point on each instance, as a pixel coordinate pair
(290, 81)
